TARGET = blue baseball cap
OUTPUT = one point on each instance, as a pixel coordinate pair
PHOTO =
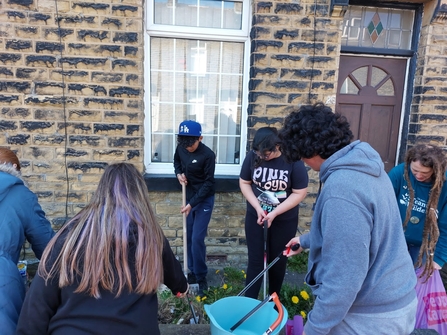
(189, 128)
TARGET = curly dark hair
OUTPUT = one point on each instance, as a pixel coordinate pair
(186, 141)
(433, 157)
(314, 130)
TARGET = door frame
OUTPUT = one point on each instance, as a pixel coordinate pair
(407, 98)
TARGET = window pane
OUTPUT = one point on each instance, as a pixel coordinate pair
(164, 11)
(199, 13)
(233, 63)
(349, 87)
(228, 120)
(162, 148)
(209, 88)
(162, 114)
(228, 150)
(160, 55)
(231, 89)
(406, 40)
(232, 16)
(386, 89)
(361, 74)
(395, 19)
(202, 86)
(377, 75)
(186, 13)
(158, 87)
(394, 39)
(211, 13)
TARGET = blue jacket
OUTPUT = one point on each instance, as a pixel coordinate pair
(21, 217)
(358, 259)
(413, 232)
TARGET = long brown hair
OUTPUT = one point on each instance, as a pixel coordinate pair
(9, 157)
(99, 239)
(433, 157)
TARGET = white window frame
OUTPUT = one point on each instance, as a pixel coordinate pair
(226, 35)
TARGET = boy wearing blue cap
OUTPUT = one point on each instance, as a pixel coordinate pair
(194, 165)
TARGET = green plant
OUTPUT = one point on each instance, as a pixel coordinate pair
(232, 282)
(298, 263)
(172, 310)
(297, 300)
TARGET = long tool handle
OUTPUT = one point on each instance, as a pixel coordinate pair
(246, 316)
(294, 247)
(193, 312)
(266, 227)
(278, 320)
(185, 241)
(196, 320)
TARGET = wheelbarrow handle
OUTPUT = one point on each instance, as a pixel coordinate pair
(278, 320)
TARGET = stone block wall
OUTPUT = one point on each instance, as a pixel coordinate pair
(71, 94)
(429, 105)
(295, 52)
(226, 236)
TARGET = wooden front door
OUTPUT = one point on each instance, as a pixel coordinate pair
(370, 92)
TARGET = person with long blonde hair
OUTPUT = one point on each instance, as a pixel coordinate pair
(21, 218)
(101, 272)
(421, 192)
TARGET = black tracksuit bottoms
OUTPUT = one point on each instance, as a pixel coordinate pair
(279, 234)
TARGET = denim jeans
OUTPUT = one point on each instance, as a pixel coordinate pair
(196, 228)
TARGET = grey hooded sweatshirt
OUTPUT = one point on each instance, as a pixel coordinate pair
(358, 259)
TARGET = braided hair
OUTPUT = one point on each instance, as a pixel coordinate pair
(433, 157)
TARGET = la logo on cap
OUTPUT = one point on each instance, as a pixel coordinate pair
(184, 129)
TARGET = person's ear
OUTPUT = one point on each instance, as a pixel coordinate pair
(200, 138)
(14, 166)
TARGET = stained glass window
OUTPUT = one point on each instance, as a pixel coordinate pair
(374, 27)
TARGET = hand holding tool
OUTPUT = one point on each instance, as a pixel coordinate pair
(294, 247)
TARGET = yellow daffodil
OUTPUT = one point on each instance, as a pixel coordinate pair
(303, 314)
(295, 299)
(245, 275)
(225, 286)
(217, 271)
(204, 298)
(198, 299)
(304, 295)
(242, 271)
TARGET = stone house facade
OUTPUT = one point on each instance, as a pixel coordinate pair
(78, 84)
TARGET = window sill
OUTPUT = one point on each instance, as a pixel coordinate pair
(167, 183)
